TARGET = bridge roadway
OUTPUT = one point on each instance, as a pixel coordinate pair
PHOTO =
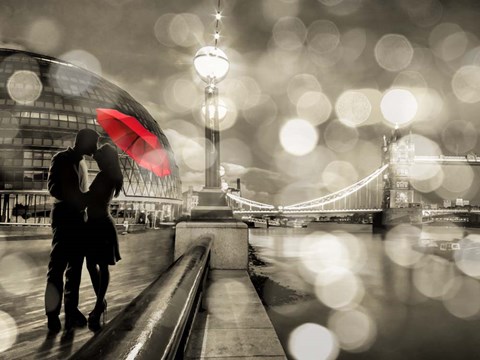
(23, 264)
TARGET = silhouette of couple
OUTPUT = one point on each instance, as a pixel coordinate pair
(82, 228)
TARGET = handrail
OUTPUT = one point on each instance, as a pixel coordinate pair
(158, 322)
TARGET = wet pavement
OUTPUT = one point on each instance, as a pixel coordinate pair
(23, 265)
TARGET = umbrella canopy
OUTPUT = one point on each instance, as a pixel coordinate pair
(139, 143)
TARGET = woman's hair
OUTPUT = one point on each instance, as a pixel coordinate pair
(108, 161)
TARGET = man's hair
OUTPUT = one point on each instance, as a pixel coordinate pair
(86, 136)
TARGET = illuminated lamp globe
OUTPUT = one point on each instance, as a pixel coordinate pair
(211, 64)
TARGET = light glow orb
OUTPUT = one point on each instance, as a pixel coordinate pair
(24, 87)
(353, 108)
(298, 137)
(398, 106)
(8, 332)
(355, 329)
(313, 341)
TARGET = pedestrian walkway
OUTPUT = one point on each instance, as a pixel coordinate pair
(23, 265)
(234, 323)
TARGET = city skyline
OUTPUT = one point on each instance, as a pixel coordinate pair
(289, 60)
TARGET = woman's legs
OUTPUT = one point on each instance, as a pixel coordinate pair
(104, 280)
(94, 274)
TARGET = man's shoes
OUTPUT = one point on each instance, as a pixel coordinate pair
(75, 319)
(53, 323)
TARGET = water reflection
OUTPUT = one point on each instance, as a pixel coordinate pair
(407, 288)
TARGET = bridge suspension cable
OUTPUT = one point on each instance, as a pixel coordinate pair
(250, 203)
(340, 194)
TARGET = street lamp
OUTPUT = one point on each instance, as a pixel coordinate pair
(211, 65)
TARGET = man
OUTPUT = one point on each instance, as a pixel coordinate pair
(67, 180)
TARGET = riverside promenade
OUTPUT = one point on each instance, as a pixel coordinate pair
(24, 254)
(232, 325)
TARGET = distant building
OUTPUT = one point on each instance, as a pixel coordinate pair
(447, 203)
(43, 103)
(190, 200)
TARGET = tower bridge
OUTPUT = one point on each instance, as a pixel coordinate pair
(387, 192)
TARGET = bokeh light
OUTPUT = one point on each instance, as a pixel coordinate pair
(466, 84)
(399, 243)
(313, 341)
(398, 106)
(339, 288)
(457, 179)
(461, 299)
(321, 251)
(339, 137)
(353, 108)
(454, 46)
(221, 108)
(8, 331)
(181, 94)
(185, 30)
(426, 177)
(244, 91)
(300, 84)
(339, 175)
(323, 36)
(393, 52)
(431, 274)
(314, 107)
(310, 168)
(161, 29)
(227, 114)
(355, 329)
(354, 42)
(289, 33)
(60, 75)
(468, 258)
(459, 137)
(24, 86)
(193, 154)
(410, 80)
(42, 29)
(430, 106)
(298, 137)
(443, 39)
(16, 266)
(423, 13)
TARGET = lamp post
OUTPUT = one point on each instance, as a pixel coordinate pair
(211, 65)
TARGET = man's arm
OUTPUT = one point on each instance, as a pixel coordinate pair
(55, 174)
(63, 182)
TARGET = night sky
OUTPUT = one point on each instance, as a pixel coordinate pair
(326, 62)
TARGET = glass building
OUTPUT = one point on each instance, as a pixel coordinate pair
(43, 103)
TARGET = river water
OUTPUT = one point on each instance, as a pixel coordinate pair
(339, 291)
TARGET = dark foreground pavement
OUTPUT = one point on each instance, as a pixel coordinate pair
(23, 265)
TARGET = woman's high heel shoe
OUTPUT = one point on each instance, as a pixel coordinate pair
(94, 317)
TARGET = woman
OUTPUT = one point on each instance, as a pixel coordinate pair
(102, 248)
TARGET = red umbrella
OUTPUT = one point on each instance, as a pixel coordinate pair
(130, 136)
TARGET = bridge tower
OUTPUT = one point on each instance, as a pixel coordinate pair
(398, 194)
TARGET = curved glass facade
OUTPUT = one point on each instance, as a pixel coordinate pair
(43, 103)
